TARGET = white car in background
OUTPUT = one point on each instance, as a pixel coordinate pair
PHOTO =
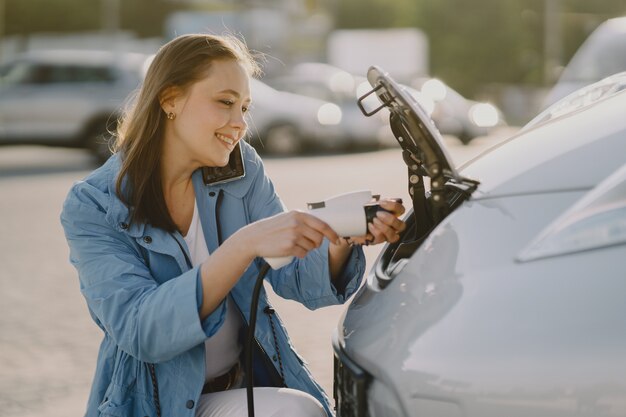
(66, 97)
(334, 85)
(506, 294)
(283, 123)
(454, 114)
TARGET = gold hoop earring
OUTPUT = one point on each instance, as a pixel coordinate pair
(171, 115)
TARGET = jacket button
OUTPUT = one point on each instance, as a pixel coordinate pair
(212, 194)
(147, 239)
(190, 404)
(124, 226)
(274, 358)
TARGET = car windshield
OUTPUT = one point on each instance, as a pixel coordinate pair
(600, 57)
(320, 91)
(581, 98)
(334, 90)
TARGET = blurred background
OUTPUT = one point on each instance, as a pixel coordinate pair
(480, 68)
(506, 52)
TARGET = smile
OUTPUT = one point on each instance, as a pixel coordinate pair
(225, 139)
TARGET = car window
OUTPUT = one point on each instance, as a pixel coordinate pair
(90, 74)
(312, 90)
(15, 73)
(36, 73)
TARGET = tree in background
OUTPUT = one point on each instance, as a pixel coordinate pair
(24, 17)
(473, 43)
(476, 42)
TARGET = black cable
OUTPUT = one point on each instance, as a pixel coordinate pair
(254, 306)
(155, 389)
(270, 311)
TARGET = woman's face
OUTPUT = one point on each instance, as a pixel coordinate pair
(209, 116)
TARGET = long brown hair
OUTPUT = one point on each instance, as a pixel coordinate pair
(179, 63)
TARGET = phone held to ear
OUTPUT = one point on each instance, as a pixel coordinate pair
(232, 171)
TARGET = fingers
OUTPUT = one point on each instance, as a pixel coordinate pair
(320, 227)
(362, 240)
(393, 205)
(386, 227)
(307, 238)
(382, 232)
(388, 219)
(298, 233)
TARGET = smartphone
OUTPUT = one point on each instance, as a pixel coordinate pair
(232, 171)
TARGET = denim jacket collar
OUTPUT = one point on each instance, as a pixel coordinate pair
(118, 213)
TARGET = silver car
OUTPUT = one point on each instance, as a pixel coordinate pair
(66, 97)
(454, 114)
(333, 85)
(506, 295)
(284, 123)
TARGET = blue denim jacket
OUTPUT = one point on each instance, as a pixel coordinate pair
(141, 291)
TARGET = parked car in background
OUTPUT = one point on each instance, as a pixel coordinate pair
(505, 294)
(283, 123)
(66, 97)
(603, 53)
(333, 85)
(454, 114)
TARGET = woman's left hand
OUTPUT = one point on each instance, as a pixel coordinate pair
(386, 227)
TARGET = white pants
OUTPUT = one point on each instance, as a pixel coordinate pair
(268, 402)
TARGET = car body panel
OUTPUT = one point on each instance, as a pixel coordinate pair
(465, 325)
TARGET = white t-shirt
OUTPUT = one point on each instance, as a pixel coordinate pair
(223, 348)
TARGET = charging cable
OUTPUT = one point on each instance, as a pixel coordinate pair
(348, 215)
(254, 306)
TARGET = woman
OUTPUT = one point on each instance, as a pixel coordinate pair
(167, 262)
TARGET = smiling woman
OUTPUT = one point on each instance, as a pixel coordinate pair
(167, 258)
(189, 69)
(207, 120)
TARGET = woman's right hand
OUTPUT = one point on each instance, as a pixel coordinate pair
(293, 233)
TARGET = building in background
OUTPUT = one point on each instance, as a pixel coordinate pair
(402, 52)
(286, 32)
